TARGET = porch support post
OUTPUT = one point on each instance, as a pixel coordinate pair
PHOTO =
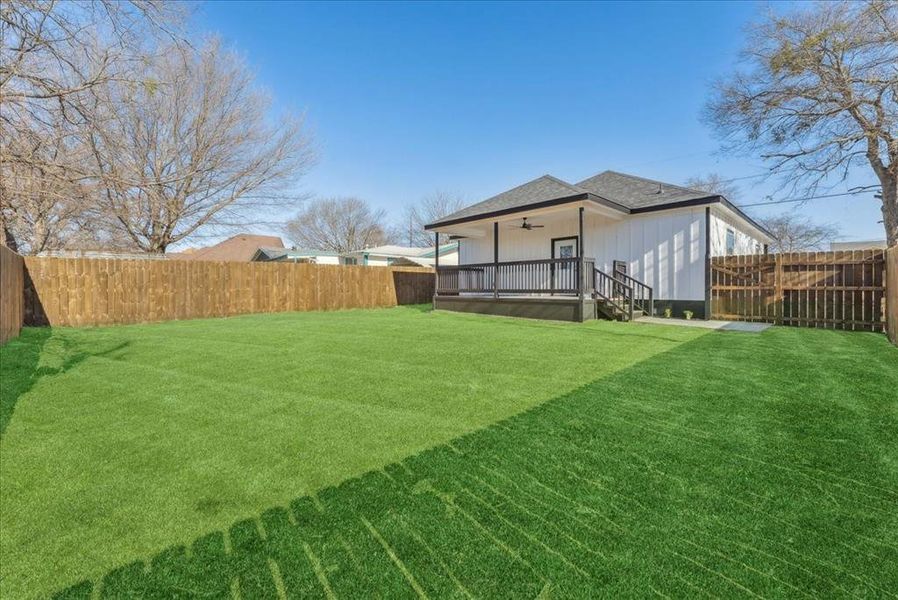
(707, 263)
(496, 260)
(582, 263)
(436, 262)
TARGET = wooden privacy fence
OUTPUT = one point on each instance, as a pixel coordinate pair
(837, 290)
(12, 282)
(84, 291)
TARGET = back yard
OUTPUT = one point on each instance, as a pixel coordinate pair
(403, 452)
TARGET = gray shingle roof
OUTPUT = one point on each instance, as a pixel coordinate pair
(637, 192)
(626, 193)
(541, 189)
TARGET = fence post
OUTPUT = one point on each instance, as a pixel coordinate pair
(779, 294)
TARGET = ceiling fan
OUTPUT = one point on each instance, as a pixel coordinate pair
(529, 226)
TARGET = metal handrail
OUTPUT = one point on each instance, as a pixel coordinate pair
(605, 287)
(645, 297)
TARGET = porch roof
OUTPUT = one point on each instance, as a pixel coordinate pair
(541, 192)
(622, 193)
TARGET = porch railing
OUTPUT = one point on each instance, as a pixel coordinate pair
(551, 276)
(642, 295)
(623, 293)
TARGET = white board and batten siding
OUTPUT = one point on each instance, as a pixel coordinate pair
(664, 249)
(745, 240)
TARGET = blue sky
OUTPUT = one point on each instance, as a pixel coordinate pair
(474, 98)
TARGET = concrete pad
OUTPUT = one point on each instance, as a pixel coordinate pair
(743, 326)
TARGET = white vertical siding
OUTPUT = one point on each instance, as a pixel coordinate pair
(516, 243)
(663, 249)
(746, 243)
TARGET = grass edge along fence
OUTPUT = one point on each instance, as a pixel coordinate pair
(12, 283)
(834, 290)
(89, 291)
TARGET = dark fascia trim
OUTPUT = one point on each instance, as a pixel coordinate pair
(604, 202)
(739, 212)
(527, 207)
(701, 201)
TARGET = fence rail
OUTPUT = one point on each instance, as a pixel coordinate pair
(836, 290)
(84, 291)
(12, 283)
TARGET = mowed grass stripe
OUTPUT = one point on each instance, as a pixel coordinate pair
(688, 473)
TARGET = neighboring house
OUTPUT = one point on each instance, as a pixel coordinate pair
(385, 256)
(521, 252)
(297, 255)
(241, 247)
(865, 245)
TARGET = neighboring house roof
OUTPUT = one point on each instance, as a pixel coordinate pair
(241, 247)
(628, 194)
(444, 249)
(405, 251)
(863, 245)
(289, 253)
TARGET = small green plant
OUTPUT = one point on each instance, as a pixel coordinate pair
(668, 312)
(688, 314)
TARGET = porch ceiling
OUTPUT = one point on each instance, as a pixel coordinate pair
(536, 216)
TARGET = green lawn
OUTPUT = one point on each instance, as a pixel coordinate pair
(403, 452)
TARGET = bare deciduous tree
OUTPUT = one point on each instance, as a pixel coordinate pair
(52, 55)
(430, 209)
(40, 205)
(714, 184)
(338, 225)
(191, 146)
(792, 233)
(819, 96)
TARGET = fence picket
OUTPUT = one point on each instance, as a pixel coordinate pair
(830, 290)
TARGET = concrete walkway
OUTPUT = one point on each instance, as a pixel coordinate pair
(742, 326)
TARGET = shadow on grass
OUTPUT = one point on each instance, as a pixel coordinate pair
(639, 483)
(21, 366)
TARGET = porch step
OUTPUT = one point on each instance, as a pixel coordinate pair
(606, 310)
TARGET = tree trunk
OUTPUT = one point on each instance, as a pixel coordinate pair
(9, 239)
(890, 211)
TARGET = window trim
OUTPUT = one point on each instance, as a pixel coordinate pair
(730, 235)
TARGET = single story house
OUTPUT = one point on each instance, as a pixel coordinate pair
(610, 245)
(385, 256)
(241, 247)
(862, 245)
(297, 255)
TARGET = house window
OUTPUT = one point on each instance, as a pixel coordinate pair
(731, 242)
(350, 260)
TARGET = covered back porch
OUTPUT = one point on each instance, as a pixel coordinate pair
(560, 282)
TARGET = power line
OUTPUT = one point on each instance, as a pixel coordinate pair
(851, 192)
